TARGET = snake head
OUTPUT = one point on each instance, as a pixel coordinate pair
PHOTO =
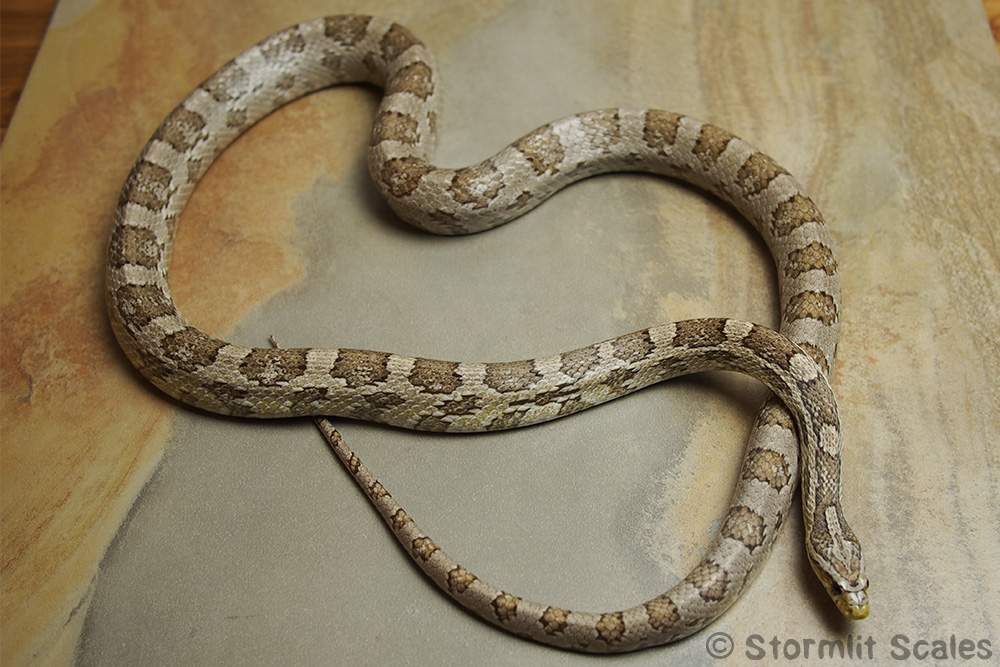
(835, 555)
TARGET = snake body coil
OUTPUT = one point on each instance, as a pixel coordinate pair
(433, 395)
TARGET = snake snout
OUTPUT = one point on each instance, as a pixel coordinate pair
(853, 604)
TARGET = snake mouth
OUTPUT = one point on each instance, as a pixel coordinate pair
(853, 604)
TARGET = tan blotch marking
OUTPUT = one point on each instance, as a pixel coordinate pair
(660, 129)
(224, 398)
(236, 118)
(817, 355)
(353, 463)
(400, 518)
(477, 186)
(359, 368)
(463, 405)
(774, 414)
(285, 82)
(505, 606)
(273, 366)
(575, 364)
(346, 30)
(511, 375)
(141, 304)
(769, 467)
(459, 579)
(662, 613)
(182, 129)
(618, 379)
(190, 349)
(746, 526)
(395, 126)
(436, 377)
(792, 214)
(711, 143)
(333, 61)
(424, 548)
(601, 128)
(812, 304)
(700, 333)
(542, 149)
(416, 78)
(377, 491)
(777, 350)
(521, 201)
(402, 175)
(283, 44)
(384, 400)
(632, 346)
(709, 580)
(308, 398)
(812, 257)
(611, 627)
(554, 620)
(134, 245)
(148, 186)
(397, 40)
(228, 83)
(757, 173)
(818, 393)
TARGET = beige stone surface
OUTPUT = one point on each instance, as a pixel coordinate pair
(240, 541)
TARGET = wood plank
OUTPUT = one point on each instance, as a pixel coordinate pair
(22, 25)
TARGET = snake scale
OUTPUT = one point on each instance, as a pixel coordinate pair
(434, 395)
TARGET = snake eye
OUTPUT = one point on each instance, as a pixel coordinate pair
(835, 588)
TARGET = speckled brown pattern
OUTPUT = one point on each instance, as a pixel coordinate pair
(505, 606)
(812, 304)
(416, 79)
(660, 128)
(148, 186)
(813, 257)
(394, 126)
(273, 369)
(611, 627)
(746, 526)
(554, 620)
(459, 579)
(792, 213)
(360, 368)
(712, 141)
(757, 173)
(543, 150)
(769, 467)
(136, 246)
(477, 186)
(436, 377)
(402, 175)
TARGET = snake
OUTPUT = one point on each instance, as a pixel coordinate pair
(205, 372)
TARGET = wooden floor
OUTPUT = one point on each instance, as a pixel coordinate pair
(22, 25)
